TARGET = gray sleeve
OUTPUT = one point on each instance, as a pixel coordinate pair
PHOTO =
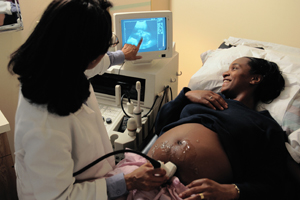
(116, 186)
(116, 58)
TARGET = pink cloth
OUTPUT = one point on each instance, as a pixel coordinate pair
(169, 192)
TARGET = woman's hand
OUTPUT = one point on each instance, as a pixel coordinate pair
(209, 189)
(145, 178)
(130, 51)
(207, 98)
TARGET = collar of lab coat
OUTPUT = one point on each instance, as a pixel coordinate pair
(85, 108)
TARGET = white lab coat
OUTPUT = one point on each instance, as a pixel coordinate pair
(50, 148)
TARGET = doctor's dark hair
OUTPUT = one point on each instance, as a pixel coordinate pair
(272, 82)
(52, 61)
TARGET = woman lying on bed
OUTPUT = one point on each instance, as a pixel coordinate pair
(222, 147)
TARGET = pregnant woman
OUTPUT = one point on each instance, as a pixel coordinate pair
(223, 148)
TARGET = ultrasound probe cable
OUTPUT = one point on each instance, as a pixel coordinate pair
(145, 115)
(155, 163)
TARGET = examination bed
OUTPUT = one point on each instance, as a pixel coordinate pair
(285, 109)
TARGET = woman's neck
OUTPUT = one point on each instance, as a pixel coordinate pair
(247, 100)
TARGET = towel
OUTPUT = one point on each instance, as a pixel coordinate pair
(169, 191)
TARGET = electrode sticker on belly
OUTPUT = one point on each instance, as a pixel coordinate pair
(180, 152)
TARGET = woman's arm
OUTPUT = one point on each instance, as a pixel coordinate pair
(129, 52)
(209, 189)
(207, 98)
(144, 178)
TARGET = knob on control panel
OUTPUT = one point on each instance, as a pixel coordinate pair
(108, 120)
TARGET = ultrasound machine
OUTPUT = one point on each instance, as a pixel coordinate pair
(134, 92)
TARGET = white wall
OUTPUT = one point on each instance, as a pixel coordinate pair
(9, 42)
(200, 25)
(160, 5)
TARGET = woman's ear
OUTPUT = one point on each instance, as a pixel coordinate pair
(256, 79)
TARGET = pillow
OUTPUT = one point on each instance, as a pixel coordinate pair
(291, 118)
(209, 76)
(293, 146)
(265, 45)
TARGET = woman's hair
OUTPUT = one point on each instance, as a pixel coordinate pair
(272, 82)
(51, 63)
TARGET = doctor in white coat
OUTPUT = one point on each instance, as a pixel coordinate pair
(59, 127)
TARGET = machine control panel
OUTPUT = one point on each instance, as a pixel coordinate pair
(110, 114)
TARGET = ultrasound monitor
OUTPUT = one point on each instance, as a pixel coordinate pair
(155, 27)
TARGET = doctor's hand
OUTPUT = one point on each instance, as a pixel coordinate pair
(130, 51)
(207, 98)
(209, 189)
(145, 178)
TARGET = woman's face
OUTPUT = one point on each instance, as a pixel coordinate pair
(237, 79)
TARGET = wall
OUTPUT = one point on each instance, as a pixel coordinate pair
(200, 25)
(9, 42)
(138, 5)
(160, 5)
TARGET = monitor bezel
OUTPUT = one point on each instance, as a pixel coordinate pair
(147, 56)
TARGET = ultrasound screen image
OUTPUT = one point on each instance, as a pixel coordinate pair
(152, 30)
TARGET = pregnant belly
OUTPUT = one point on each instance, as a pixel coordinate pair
(196, 151)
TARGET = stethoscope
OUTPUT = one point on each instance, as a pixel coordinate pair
(155, 163)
